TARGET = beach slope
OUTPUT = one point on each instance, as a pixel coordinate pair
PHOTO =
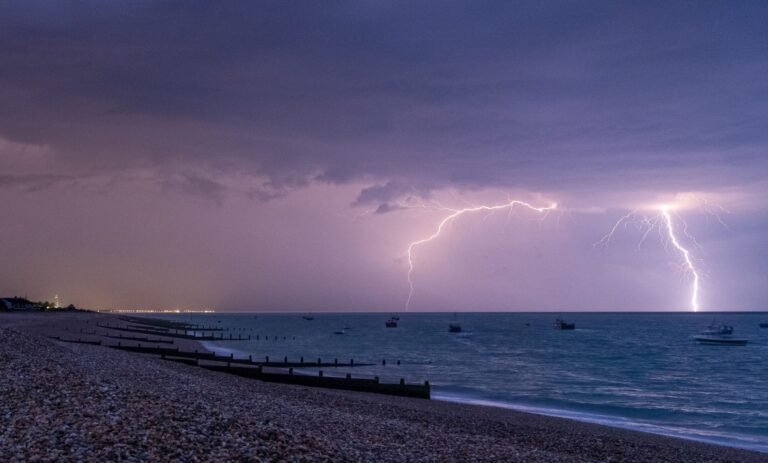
(74, 402)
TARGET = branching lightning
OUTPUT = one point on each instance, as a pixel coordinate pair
(455, 213)
(663, 223)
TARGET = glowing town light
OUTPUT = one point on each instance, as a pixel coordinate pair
(662, 222)
(456, 213)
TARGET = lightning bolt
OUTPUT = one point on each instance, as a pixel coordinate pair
(663, 223)
(686, 257)
(456, 213)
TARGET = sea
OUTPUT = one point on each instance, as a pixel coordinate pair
(639, 371)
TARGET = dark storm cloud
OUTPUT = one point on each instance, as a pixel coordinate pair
(539, 95)
(389, 191)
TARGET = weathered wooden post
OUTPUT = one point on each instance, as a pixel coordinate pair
(290, 371)
(286, 359)
(267, 358)
(402, 381)
(320, 373)
(335, 362)
(349, 375)
(376, 378)
(301, 361)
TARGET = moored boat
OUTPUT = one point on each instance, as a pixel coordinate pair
(391, 323)
(561, 324)
(722, 340)
(454, 327)
(717, 330)
(721, 335)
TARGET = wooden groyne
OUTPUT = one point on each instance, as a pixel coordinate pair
(248, 368)
(76, 341)
(179, 335)
(168, 325)
(148, 327)
(155, 322)
(213, 357)
(139, 339)
(421, 391)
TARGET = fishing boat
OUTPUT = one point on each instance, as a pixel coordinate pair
(721, 335)
(339, 332)
(308, 317)
(391, 323)
(717, 330)
(454, 326)
(764, 325)
(722, 340)
(561, 324)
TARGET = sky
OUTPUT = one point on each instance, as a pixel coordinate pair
(282, 156)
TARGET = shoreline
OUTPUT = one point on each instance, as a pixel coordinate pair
(106, 398)
(603, 420)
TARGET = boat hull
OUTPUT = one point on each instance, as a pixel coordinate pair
(721, 341)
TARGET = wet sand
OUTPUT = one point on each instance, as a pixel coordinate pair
(75, 402)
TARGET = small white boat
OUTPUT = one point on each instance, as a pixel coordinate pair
(721, 340)
(721, 335)
(717, 330)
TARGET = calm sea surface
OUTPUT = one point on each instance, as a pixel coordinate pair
(636, 371)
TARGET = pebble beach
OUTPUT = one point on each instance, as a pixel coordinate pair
(75, 402)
